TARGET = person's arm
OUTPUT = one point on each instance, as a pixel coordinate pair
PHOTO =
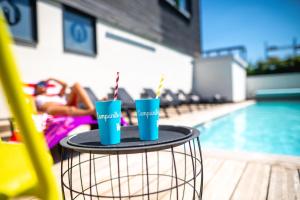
(62, 91)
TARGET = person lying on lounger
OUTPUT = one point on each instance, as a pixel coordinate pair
(63, 104)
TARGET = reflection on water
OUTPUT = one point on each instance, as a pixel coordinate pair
(269, 127)
(239, 126)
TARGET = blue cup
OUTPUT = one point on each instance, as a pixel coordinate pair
(109, 118)
(148, 117)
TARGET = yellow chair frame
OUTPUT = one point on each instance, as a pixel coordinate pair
(33, 174)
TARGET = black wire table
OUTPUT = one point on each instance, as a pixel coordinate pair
(168, 168)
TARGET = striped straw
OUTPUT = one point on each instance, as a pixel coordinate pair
(117, 87)
(161, 83)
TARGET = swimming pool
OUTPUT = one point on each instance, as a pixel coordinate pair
(267, 127)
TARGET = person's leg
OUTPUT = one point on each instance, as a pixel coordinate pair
(68, 110)
(79, 94)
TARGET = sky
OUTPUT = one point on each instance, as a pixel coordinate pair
(250, 23)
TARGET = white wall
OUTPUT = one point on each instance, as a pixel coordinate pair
(211, 77)
(138, 67)
(238, 82)
(224, 75)
(272, 81)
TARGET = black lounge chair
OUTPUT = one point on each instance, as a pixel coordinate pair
(185, 97)
(175, 100)
(94, 98)
(196, 99)
(91, 95)
(217, 98)
(128, 104)
(164, 104)
(191, 98)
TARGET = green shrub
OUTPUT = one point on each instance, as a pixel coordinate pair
(274, 65)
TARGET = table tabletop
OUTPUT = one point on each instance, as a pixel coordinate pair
(169, 136)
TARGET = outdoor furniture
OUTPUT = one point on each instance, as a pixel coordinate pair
(169, 168)
(8, 127)
(217, 98)
(193, 98)
(128, 104)
(164, 104)
(175, 100)
(54, 128)
(91, 95)
(94, 99)
(189, 98)
(25, 167)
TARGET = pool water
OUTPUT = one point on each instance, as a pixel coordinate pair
(267, 127)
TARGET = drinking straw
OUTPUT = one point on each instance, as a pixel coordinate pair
(161, 83)
(117, 87)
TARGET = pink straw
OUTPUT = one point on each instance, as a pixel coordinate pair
(117, 87)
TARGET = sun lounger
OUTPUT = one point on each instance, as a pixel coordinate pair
(91, 95)
(217, 98)
(164, 104)
(197, 99)
(54, 128)
(128, 104)
(94, 99)
(186, 97)
(194, 98)
(60, 127)
(175, 100)
(190, 97)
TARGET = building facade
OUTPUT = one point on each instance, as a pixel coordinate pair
(88, 41)
(172, 23)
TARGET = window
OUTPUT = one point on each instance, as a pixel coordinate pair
(79, 32)
(21, 17)
(183, 6)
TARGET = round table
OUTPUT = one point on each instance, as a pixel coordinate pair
(168, 168)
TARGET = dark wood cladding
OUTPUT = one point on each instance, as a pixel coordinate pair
(152, 19)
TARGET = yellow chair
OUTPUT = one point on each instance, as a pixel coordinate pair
(25, 169)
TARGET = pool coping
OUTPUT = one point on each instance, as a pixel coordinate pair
(204, 116)
(193, 121)
(292, 162)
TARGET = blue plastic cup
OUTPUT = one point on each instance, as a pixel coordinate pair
(109, 118)
(148, 117)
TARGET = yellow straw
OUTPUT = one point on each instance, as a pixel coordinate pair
(161, 84)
